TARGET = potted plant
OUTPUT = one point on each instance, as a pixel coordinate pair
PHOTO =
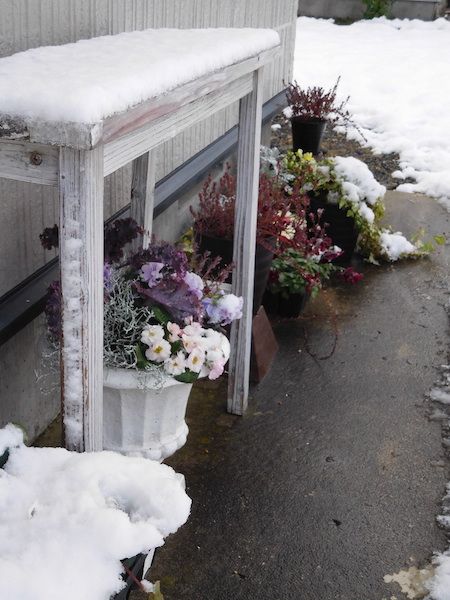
(276, 228)
(163, 329)
(293, 278)
(328, 198)
(309, 111)
(349, 199)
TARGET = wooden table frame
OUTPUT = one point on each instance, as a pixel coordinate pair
(75, 158)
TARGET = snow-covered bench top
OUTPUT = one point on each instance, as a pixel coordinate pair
(91, 80)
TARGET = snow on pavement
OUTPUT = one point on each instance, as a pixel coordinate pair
(398, 78)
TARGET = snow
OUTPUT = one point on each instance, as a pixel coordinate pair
(396, 73)
(439, 585)
(10, 437)
(67, 519)
(356, 172)
(396, 245)
(92, 79)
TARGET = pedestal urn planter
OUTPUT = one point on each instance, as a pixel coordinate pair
(141, 420)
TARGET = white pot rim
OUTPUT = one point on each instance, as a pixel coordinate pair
(130, 379)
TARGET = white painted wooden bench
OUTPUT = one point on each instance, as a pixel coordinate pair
(70, 115)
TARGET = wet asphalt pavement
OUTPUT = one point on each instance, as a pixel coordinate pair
(335, 476)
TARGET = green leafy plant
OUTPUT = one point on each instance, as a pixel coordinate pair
(323, 177)
(376, 8)
(293, 273)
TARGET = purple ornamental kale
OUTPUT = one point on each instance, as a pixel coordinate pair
(175, 297)
(50, 237)
(118, 234)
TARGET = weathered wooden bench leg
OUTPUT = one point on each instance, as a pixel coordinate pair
(245, 243)
(143, 193)
(81, 260)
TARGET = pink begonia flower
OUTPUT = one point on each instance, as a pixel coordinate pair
(175, 332)
(192, 342)
(216, 369)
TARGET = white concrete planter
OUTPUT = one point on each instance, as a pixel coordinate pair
(143, 422)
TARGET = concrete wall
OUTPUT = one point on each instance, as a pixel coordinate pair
(354, 9)
(25, 209)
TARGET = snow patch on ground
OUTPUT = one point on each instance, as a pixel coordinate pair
(439, 584)
(396, 245)
(67, 519)
(396, 73)
(91, 79)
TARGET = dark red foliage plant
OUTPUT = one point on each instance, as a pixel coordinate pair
(316, 103)
(282, 221)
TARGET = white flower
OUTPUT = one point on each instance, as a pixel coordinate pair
(159, 351)
(175, 365)
(214, 354)
(152, 334)
(195, 360)
(193, 328)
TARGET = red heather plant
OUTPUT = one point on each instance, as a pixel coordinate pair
(281, 217)
(315, 103)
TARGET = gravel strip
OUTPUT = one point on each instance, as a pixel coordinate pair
(337, 144)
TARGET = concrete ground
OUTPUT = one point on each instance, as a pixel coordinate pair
(334, 477)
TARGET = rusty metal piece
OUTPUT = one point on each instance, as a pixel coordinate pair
(36, 158)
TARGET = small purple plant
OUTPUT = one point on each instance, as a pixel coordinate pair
(160, 289)
(151, 273)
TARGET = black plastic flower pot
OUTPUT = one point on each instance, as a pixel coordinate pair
(263, 261)
(341, 228)
(307, 135)
(290, 307)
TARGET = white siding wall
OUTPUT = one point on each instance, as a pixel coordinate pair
(25, 209)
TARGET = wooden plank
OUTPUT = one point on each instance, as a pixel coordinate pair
(81, 263)
(245, 243)
(122, 150)
(143, 194)
(32, 163)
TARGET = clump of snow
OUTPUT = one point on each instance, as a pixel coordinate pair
(395, 245)
(10, 437)
(67, 519)
(395, 72)
(91, 79)
(439, 585)
(355, 172)
(440, 395)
